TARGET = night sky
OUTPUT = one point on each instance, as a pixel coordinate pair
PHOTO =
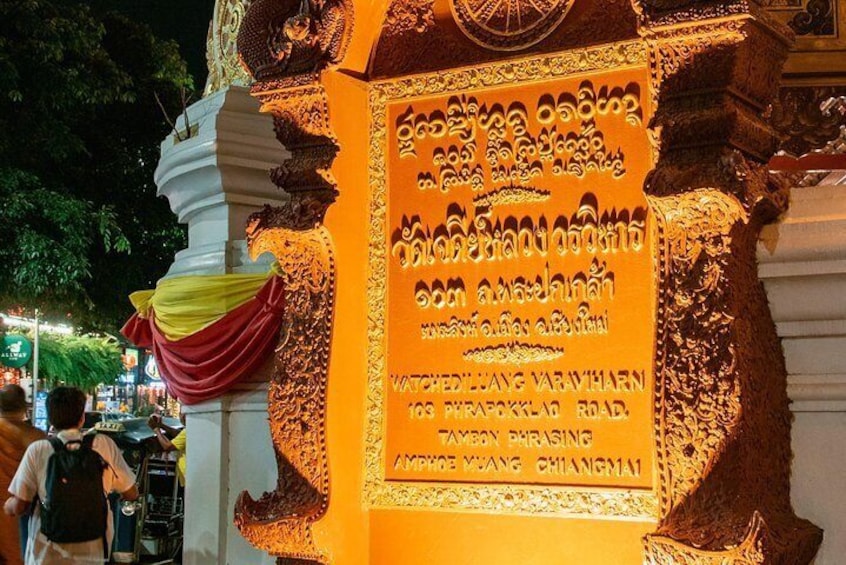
(184, 21)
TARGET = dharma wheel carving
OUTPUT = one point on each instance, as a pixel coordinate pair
(509, 25)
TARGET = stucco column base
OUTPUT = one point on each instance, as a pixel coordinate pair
(227, 439)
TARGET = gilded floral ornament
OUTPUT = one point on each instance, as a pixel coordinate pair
(279, 522)
(722, 420)
(285, 45)
(516, 353)
(221, 51)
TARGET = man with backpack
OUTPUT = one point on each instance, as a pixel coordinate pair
(70, 476)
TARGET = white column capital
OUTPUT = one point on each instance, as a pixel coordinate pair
(217, 177)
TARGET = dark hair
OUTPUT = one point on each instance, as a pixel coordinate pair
(65, 407)
(12, 399)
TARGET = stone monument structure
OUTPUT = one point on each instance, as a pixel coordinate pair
(534, 362)
(524, 321)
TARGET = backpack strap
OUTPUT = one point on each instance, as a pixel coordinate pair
(58, 445)
(88, 440)
(88, 443)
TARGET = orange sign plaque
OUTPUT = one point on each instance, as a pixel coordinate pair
(520, 315)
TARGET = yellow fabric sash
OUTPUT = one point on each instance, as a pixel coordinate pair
(185, 305)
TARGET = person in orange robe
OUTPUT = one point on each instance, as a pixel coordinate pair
(16, 433)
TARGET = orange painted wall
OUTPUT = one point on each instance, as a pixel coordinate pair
(344, 530)
(353, 535)
(444, 538)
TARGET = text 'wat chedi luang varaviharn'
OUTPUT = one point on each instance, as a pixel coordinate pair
(522, 318)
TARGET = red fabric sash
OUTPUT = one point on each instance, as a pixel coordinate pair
(208, 363)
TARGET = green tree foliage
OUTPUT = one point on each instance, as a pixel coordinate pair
(79, 139)
(80, 361)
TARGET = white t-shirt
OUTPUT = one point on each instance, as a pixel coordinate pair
(30, 480)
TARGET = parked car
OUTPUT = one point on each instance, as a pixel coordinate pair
(93, 418)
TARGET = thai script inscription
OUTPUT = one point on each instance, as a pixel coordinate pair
(463, 238)
(518, 144)
(516, 238)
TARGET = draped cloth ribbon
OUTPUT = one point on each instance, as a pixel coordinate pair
(207, 333)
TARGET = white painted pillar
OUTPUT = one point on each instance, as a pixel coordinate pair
(229, 450)
(214, 180)
(802, 262)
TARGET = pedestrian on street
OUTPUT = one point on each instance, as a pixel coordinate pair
(171, 439)
(61, 513)
(16, 433)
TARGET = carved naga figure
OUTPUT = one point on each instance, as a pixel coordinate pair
(291, 37)
(284, 45)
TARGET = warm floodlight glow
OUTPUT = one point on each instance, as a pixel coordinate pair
(17, 321)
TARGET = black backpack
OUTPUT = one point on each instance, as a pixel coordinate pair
(75, 508)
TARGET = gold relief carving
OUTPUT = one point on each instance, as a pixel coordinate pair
(478, 238)
(589, 154)
(287, 38)
(717, 396)
(596, 284)
(696, 235)
(557, 323)
(516, 353)
(719, 108)
(409, 29)
(508, 25)
(797, 115)
(417, 242)
(751, 551)
(280, 521)
(221, 52)
(721, 408)
(508, 499)
(594, 59)
(510, 195)
(416, 17)
(681, 16)
(516, 153)
(300, 112)
(285, 45)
